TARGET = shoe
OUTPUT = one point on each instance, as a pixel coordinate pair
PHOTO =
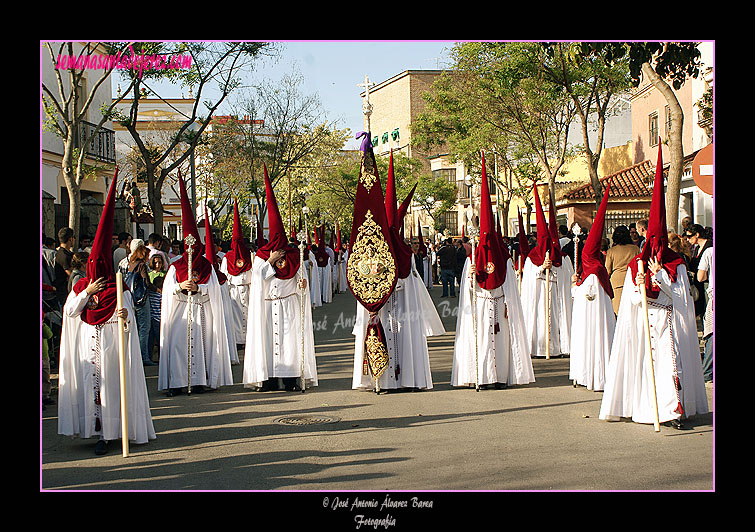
(293, 388)
(100, 448)
(148, 363)
(172, 392)
(500, 386)
(197, 389)
(675, 423)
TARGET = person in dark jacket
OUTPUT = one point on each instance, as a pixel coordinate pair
(447, 265)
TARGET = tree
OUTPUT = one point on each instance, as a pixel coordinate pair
(292, 139)
(590, 82)
(218, 64)
(496, 94)
(65, 110)
(662, 63)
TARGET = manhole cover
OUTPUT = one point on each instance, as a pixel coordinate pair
(306, 420)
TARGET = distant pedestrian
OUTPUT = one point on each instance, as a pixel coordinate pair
(447, 266)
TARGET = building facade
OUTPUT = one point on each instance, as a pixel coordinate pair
(100, 150)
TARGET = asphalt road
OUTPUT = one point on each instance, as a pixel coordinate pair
(545, 436)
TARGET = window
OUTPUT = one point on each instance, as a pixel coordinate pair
(653, 128)
(451, 222)
(449, 174)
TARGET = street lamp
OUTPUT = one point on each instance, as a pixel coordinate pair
(194, 128)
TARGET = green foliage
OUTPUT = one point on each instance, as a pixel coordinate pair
(672, 61)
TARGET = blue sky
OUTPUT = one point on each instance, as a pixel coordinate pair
(332, 70)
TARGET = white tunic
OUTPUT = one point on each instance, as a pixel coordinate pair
(408, 318)
(89, 361)
(592, 329)
(210, 351)
(502, 356)
(228, 317)
(427, 271)
(341, 281)
(238, 290)
(325, 273)
(315, 290)
(676, 352)
(534, 307)
(274, 333)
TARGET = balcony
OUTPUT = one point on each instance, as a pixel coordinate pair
(101, 146)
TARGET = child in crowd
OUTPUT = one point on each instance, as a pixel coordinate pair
(156, 276)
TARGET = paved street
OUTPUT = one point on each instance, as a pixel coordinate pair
(544, 436)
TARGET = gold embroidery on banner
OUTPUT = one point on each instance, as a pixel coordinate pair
(370, 269)
(367, 173)
(377, 354)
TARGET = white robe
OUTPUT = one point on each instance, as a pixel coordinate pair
(210, 354)
(427, 271)
(533, 306)
(333, 272)
(78, 376)
(408, 318)
(228, 317)
(315, 290)
(238, 290)
(502, 357)
(325, 273)
(592, 329)
(341, 281)
(274, 333)
(628, 391)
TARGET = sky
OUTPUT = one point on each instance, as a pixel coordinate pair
(332, 70)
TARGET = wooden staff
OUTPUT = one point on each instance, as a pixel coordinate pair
(577, 230)
(547, 309)
(122, 363)
(189, 242)
(641, 269)
(302, 236)
(473, 289)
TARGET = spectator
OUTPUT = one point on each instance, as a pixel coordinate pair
(617, 261)
(461, 258)
(447, 265)
(78, 268)
(121, 252)
(155, 291)
(705, 274)
(642, 230)
(134, 270)
(63, 257)
(46, 383)
(699, 242)
(154, 243)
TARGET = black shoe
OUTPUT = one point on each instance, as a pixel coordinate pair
(174, 391)
(100, 448)
(148, 363)
(675, 423)
(197, 389)
(500, 386)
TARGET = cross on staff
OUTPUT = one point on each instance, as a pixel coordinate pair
(366, 106)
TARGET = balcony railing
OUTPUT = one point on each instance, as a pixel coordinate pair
(101, 146)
